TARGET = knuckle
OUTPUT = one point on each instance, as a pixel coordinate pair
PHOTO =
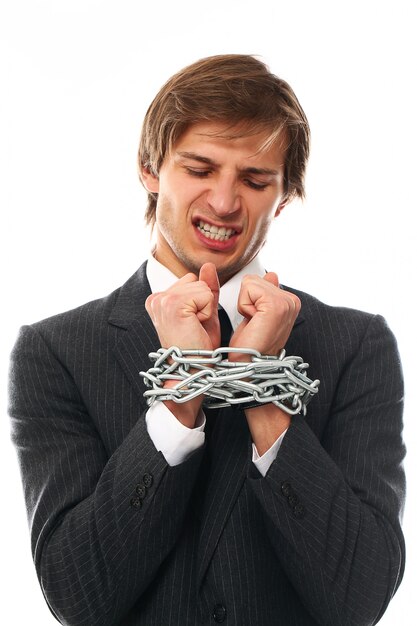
(297, 303)
(148, 304)
(189, 278)
(172, 301)
(248, 278)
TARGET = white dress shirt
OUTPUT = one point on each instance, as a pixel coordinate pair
(173, 439)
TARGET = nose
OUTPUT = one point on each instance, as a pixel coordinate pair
(223, 197)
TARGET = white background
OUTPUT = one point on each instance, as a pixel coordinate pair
(76, 80)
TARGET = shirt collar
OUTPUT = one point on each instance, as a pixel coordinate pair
(161, 278)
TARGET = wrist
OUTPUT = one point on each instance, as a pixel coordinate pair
(266, 424)
(186, 412)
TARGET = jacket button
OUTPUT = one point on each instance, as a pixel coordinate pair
(292, 500)
(147, 480)
(286, 489)
(141, 490)
(219, 613)
(299, 511)
(136, 502)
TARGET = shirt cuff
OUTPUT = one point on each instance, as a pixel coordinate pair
(264, 462)
(176, 442)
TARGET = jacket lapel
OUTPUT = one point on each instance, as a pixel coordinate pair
(136, 333)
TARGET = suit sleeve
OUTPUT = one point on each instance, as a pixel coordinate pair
(333, 505)
(100, 525)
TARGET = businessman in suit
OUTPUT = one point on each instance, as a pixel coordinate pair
(177, 514)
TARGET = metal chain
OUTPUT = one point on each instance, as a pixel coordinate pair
(264, 379)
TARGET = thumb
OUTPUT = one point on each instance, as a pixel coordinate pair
(208, 274)
(271, 277)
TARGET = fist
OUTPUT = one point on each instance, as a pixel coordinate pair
(186, 314)
(269, 312)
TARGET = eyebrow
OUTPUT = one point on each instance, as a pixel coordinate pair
(207, 161)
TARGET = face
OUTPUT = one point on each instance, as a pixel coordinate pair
(216, 200)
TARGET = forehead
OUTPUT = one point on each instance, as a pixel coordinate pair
(216, 137)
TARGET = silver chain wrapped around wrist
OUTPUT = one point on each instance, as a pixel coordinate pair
(260, 380)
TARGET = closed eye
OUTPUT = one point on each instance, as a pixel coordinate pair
(257, 186)
(197, 172)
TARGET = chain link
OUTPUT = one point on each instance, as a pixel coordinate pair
(280, 379)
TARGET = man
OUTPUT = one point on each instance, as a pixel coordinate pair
(181, 514)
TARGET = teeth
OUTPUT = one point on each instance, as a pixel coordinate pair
(213, 232)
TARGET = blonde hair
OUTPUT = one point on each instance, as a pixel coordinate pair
(235, 89)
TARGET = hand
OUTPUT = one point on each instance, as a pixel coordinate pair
(269, 312)
(186, 314)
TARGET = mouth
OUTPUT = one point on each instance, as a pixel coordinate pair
(215, 233)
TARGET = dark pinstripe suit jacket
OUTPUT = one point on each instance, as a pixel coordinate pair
(119, 537)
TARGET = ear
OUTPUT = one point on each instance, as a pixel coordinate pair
(280, 207)
(149, 180)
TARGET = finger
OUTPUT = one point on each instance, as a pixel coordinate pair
(246, 301)
(187, 278)
(296, 303)
(253, 288)
(148, 301)
(208, 274)
(271, 277)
